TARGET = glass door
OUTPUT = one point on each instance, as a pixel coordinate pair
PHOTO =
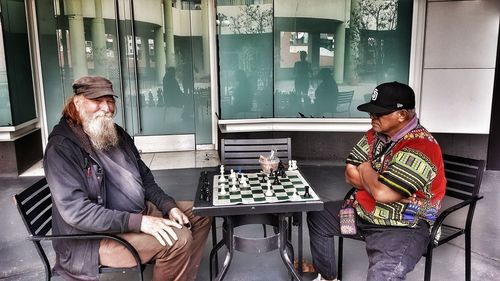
(153, 51)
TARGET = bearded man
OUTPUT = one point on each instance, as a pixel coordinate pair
(100, 184)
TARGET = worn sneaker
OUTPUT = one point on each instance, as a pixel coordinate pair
(319, 278)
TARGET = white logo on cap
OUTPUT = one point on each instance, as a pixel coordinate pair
(375, 94)
(398, 105)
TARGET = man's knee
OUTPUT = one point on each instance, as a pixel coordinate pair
(388, 269)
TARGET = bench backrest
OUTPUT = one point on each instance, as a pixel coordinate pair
(243, 154)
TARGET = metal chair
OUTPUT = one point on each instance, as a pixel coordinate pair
(344, 100)
(35, 206)
(243, 154)
(463, 181)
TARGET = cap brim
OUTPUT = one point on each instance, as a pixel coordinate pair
(372, 108)
(96, 95)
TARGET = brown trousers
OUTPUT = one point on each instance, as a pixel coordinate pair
(178, 262)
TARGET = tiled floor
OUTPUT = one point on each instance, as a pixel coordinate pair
(19, 261)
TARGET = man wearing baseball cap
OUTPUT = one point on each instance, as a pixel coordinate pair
(100, 184)
(397, 170)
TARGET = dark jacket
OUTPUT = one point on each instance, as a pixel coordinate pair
(78, 187)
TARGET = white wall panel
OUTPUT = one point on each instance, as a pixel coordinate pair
(457, 100)
(461, 34)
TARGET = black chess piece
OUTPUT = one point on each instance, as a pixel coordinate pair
(307, 194)
(283, 173)
(263, 179)
(276, 180)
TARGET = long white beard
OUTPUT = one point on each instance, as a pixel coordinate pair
(101, 130)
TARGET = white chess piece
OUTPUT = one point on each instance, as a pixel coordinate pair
(233, 174)
(243, 181)
(233, 188)
(295, 195)
(294, 164)
(222, 178)
(222, 189)
(222, 169)
(269, 192)
(290, 168)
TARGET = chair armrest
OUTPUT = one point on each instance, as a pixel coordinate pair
(349, 193)
(91, 236)
(439, 221)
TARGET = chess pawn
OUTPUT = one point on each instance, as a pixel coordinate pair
(222, 189)
(233, 188)
(243, 181)
(222, 178)
(269, 192)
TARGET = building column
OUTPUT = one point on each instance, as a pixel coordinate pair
(160, 54)
(73, 10)
(99, 40)
(339, 54)
(205, 37)
(314, 45)
(169, 33)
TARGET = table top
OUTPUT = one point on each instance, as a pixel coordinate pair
(206, 207)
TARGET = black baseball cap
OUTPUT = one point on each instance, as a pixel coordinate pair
(389, 97)
(93, 87)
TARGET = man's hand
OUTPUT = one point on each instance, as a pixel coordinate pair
(160, 228)
(178, 216)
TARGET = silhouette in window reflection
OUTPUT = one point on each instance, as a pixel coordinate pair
(175, 97)
(326, 93)
(302, 73)
(242, 93)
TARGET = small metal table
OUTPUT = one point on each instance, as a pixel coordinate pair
(275, 214)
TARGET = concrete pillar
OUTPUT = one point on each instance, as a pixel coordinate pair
(205, 38)
(339, 54)
(169, 33)
(160, 54)
(314, 44)
(99, 40)
(352, 48)
(73, 9)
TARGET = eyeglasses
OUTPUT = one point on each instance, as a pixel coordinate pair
(378, 115)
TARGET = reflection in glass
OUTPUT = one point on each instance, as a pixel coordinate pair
(245, 52)
(17, 99)
(5, 115)
(329, 48)
(133, 47)
(328, 55)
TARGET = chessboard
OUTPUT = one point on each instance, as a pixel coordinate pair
(290, 187)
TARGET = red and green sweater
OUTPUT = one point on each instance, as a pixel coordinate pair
(412, 164)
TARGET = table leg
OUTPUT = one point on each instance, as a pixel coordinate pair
(300, 243)
(282, 247)
(228, 238)
(214, 244)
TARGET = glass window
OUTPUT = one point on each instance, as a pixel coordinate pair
(17, 99)
(5, 115)
(245, 59)
(328, 55)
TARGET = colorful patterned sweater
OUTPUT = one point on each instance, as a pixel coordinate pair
(412, 164)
